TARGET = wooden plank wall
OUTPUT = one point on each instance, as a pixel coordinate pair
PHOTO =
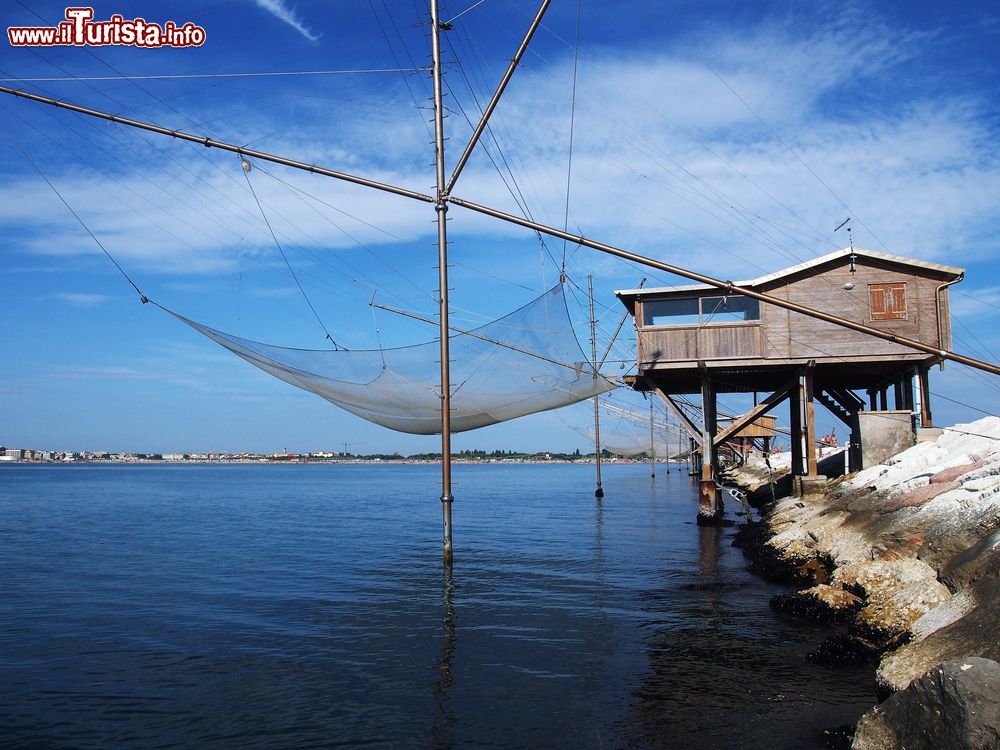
(791, 334)
(782, 334)
(691, 343)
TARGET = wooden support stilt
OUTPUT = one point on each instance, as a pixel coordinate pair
(710, 505)
(925, 397)
(759, 409)
(795, 422)
(809, 423)
(854, 456)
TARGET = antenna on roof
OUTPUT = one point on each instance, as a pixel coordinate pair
(850, 239)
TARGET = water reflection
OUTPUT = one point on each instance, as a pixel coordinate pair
(688, 693)
(722, 670)
(443, 729)
(249, 613)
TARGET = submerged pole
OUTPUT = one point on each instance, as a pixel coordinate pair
(599, 492)
(652, 445)
(441, 207)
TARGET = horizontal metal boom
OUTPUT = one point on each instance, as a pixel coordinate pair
(211, 143)
(728, 286)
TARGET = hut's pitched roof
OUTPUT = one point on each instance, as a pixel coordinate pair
(629, 295)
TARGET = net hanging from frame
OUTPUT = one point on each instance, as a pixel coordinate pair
(625, 430)
(399, 388)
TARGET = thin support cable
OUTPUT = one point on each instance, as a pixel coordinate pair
(794, 153)
(572, 125)
(76, 216)
(519, 197)
(471, 7)
(246, 173)
(392, 52)
(378, 333)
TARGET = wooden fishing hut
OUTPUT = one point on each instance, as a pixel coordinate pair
(700, 340)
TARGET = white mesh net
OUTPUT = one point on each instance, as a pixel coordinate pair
(625, 423)
(525, 362)
(623, 440)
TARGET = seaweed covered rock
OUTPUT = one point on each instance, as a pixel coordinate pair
(822, 603)
(842, 650)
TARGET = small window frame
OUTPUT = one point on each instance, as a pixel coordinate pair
(702, 311)
(887, 301)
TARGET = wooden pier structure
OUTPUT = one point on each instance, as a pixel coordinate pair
(698, 339)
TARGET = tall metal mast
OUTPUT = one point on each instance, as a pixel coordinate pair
(441, 207)
(599, 492)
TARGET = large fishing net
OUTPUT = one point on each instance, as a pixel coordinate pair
(625, 428)
(634, 444)
(525, 362)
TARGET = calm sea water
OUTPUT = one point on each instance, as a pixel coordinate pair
(306, 606)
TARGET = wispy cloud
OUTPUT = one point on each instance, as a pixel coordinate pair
(975, 303)
(289, 16)
(80, 299)
(670, 160)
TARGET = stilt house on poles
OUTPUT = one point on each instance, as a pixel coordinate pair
(703, 340)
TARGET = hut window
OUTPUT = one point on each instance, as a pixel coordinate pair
(670, 312)
(679, 311)
(728, 309)
(888, 301)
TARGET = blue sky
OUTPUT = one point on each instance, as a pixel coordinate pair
(730, 138)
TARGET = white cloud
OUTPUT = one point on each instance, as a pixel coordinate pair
(288, 15)
(968, 304)
(80, 299)
(667, 162)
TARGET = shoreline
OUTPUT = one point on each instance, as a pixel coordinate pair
(339, 462)
(906, 554)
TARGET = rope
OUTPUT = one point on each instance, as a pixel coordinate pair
(378, 333)
(572, 126)
(519, 197)
(794, 153)
(246, 173)
(392, 52)
(76, 216)
(455, 18)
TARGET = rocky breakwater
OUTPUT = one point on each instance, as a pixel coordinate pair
(907, 554)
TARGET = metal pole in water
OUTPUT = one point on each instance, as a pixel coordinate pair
(652, 445)
(599, 492)
(441, 207)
